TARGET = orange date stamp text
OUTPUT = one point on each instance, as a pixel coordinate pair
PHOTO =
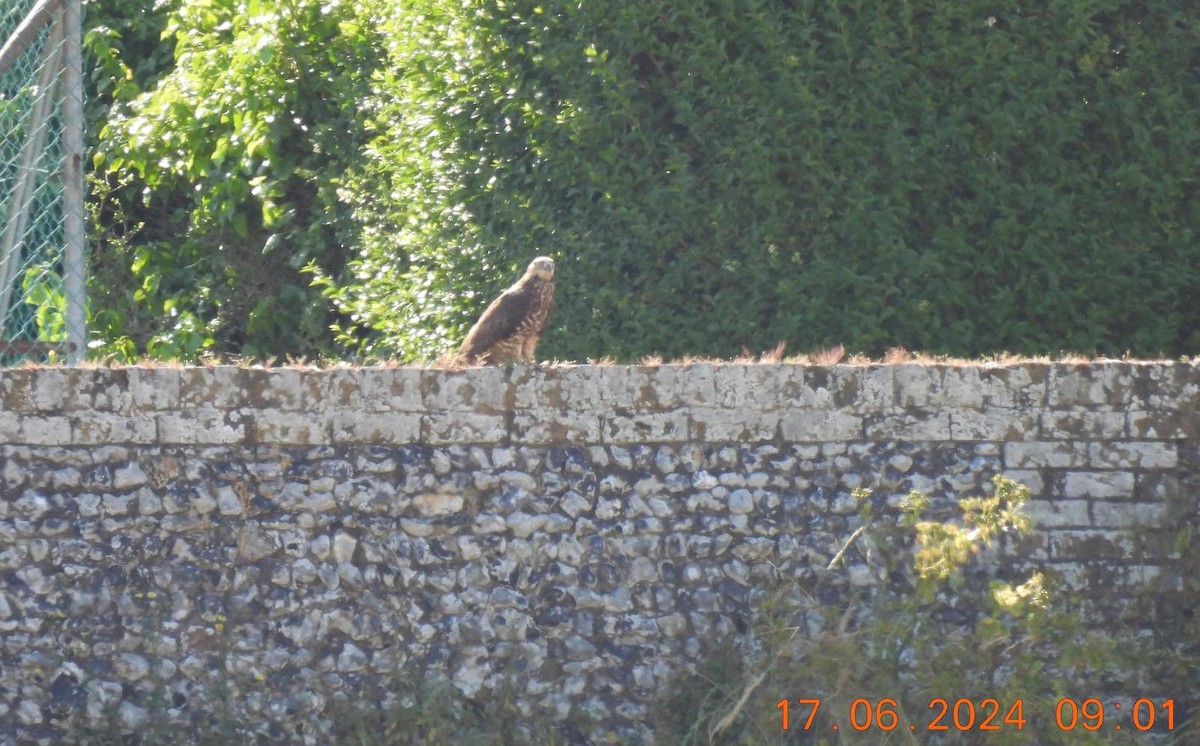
(986, 714)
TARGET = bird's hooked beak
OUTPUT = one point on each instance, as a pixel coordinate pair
(543, 267)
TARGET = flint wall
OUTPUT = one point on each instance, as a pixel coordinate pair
(290, 534)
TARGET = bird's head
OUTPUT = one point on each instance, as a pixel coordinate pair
(543, 267)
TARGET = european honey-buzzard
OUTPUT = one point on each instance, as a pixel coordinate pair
(508, 331)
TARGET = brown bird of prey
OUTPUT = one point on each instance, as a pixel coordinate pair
(508, 331)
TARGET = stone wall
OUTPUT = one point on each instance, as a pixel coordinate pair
(290, 534)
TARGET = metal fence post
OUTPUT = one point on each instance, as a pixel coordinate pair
(74, 267)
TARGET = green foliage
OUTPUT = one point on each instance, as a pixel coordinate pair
(902, 645)
(950, 177)
(217, 169)
(42, 288)
(962, 177)
(943, 548)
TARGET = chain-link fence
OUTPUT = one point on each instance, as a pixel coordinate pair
(41, 181)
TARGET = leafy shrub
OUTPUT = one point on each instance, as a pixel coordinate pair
(222, 129)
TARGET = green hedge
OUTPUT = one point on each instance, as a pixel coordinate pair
(953, 177)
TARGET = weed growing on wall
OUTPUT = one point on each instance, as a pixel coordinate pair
(904, 662)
